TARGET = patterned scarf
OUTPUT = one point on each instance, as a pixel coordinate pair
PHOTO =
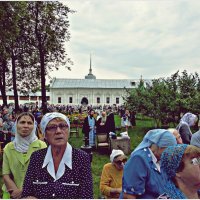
(170, 161)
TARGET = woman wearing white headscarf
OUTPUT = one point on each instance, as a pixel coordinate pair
(59, 171)
(142, 178)
(111, 177)
(17, 154)
(183, 127)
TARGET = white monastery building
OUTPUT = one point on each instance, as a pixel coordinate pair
(90, 91)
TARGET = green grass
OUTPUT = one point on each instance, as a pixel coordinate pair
(143, 124)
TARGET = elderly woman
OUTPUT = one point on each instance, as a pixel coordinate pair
(111, 177)
(180, 167)
(59, 171)
(142, 177)
(17, 154)
(183, 127)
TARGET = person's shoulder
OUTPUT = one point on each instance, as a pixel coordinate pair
(42, 143)
(141, 154)
(108, 166)
(9, 146)
(80, 154)
(184, 126)
(39, 144)
(196, 134)
(39, 153)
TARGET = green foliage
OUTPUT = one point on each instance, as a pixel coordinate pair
(32, 43)
(165, 99)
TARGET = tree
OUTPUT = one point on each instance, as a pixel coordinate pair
(49, 22)
(165, 99)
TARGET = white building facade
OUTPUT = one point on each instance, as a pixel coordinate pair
(90, 91)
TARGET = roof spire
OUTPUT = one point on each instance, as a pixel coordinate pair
(90, 71)
(90, 75)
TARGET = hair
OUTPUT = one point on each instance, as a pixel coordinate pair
(25, 114)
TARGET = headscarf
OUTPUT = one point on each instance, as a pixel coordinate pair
(21, 144)
(115, 153)
(170, 161)
(195, 140)
(48, 117)
(160, 137)
(188, 118)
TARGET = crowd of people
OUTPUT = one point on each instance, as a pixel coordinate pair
(164, 165)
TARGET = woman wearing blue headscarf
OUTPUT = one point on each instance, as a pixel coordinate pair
(180, 168)
(142, 178)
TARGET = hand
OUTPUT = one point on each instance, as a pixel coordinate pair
(16, 193)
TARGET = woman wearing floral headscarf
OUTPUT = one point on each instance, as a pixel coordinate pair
(17, 155)
(59, 171)
(142, 178)
(183, 127)
(180, 168)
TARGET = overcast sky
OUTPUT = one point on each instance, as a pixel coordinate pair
(130, 38)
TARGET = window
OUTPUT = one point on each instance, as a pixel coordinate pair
(107, 99)
(59, 99)
(132, 83)
(117, 100)
(98, 99)
(70, 100)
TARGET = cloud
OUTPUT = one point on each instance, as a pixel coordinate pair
(129, 38)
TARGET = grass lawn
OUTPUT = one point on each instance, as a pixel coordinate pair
(136, 134)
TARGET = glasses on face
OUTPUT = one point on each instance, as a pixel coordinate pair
(119, 162)
(195, 161)
(52, 128)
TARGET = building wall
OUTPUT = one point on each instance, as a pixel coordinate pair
(91, 94)
(25, 99)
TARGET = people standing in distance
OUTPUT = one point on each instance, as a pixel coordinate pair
(89, 128)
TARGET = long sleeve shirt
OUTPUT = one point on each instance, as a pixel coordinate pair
(111, 177)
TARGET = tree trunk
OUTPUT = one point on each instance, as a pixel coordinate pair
(42, 63)
(14, 83)
(43, 81)
(3, 83)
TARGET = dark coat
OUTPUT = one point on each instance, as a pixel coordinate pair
(111, 123)
(102, 128)
(76, 183)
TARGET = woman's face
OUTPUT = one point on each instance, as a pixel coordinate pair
(57, 132)
(119, 162)
(190, 175)
(25, 126)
